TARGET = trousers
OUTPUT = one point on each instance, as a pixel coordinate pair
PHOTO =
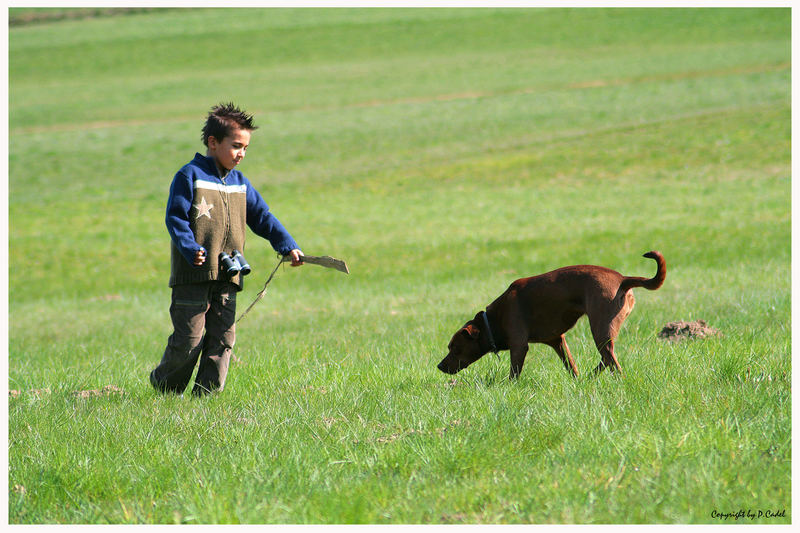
(204, 326)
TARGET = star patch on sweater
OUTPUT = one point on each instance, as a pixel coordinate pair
(203, 208)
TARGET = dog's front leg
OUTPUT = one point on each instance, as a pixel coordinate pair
(518, 354)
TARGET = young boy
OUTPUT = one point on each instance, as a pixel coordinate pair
(208, 207)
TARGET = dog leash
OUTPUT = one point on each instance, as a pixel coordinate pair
(321, 260)
(264, 290)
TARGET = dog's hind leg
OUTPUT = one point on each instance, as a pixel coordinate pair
(605, 323)
(561, 348)
(608, 358)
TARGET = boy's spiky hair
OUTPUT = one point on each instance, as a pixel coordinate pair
(223, 119)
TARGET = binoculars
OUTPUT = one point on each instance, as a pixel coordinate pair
(234, 263)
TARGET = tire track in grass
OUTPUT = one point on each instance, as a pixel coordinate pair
(447, 97)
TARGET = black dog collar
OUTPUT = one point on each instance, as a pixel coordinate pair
(492, 345)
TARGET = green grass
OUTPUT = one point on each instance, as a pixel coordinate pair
(443, 153)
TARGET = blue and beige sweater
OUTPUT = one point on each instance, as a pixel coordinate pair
(206, 211)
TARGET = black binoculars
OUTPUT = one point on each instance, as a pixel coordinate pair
(234, 263)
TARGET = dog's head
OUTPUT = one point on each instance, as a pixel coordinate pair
(463, 350)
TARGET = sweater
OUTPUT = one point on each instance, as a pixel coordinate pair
(209, 212)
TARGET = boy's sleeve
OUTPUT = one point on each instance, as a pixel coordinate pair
(266, 225)
(179, 205)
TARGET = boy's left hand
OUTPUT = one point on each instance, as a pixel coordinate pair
(296, 255)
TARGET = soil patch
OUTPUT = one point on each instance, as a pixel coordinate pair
(108, 390)
(12, 393)
(680, 330)
(28, 16)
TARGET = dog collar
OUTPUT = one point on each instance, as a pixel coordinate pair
(492, 345)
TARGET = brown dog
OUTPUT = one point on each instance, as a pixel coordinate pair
(542, 308)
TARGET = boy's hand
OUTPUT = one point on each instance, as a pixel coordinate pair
(199, 257)
(296, 255)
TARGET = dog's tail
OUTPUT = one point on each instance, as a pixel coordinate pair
(630, 282)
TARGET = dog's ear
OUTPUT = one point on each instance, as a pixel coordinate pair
(471, 331)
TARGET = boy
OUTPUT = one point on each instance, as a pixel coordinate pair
(209, 204)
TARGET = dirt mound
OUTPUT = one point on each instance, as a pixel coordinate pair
(680, 330)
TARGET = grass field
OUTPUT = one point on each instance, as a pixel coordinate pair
(442, 153)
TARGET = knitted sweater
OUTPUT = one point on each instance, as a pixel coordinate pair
(206, 211)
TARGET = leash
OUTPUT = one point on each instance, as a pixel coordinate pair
(263, 291)
(323, 260)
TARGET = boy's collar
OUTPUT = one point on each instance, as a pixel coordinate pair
(212, 165)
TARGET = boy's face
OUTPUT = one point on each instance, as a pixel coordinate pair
(230, 151)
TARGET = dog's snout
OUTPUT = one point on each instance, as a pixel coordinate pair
(447, 367)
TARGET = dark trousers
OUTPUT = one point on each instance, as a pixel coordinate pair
(197, 308)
